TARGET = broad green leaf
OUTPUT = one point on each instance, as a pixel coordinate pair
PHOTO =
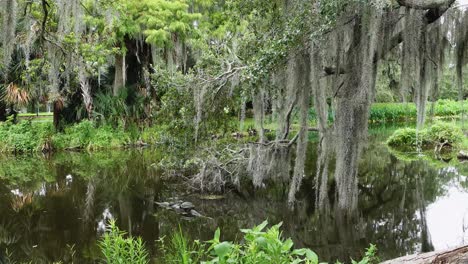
(222, 249)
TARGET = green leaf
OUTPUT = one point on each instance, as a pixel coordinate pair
(217, 235)
(309, 254)
(287, 245)
(222, 249)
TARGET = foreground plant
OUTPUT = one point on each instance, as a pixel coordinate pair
(260, 245)
(118, 249)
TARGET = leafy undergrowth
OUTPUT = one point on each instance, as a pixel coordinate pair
(260, 245)
(391, 112)
(27, 136)
(438, 134)
(384, 112)
(117, 248)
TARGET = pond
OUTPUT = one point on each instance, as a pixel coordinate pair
(55, 208)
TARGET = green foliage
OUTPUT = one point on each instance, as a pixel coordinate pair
(125, 109)
(370, 256)
(86, 135)
(180, 250)
(260, 245)
(403, 137)
(383, 112)
(408, 138)
(25, 136)
(445, 132)
(118, 249)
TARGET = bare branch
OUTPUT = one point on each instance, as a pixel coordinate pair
(425, 4)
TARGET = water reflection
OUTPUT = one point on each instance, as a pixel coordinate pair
(55, 208)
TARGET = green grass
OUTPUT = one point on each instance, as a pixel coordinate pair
(40, 114)
(384, 112)
(29, 136)
(116, 247)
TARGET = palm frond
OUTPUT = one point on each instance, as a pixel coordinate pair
(16, 95)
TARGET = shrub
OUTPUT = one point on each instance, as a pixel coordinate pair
(118, 249)
(24, 136)
(438, 133)
(445, 132)
(403, 137)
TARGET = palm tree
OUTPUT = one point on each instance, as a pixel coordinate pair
(16, 96)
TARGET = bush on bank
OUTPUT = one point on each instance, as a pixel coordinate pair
(27, 136)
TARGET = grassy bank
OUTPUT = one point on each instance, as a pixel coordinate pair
(27, 136)
(384, 112)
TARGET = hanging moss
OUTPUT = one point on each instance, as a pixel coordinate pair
(8, 37)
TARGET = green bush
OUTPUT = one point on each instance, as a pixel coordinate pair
(118, 249)
(27, 136)
(444, 132)
(86, 135)
(24, 136)
(438, 133)
(403, 137)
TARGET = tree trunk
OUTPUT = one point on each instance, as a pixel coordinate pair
(58, 107)
(2, 112)
(353, 101)
(119, 76)
(454, 256)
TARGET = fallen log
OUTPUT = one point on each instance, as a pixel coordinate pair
(453, 256)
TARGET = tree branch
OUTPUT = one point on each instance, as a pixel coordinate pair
(425, 4)
(46, 15)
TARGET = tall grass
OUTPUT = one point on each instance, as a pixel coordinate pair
(27, 136)
(117, 249)
(383, 112)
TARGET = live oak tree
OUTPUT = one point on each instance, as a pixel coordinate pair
(201, 60)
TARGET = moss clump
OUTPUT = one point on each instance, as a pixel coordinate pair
(439, 133)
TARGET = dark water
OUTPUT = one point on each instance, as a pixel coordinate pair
(55, 208)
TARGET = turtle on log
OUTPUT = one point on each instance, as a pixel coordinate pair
(183, 208)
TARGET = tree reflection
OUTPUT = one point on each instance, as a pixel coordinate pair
(51, 204)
